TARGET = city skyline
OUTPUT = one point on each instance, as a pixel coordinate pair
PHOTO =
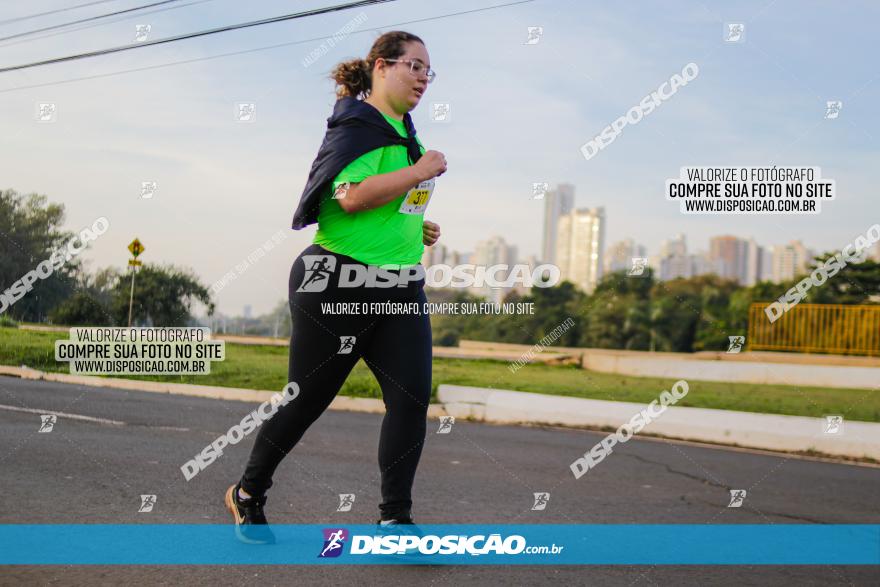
(777, 262)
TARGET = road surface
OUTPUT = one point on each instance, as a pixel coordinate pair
(117, 445)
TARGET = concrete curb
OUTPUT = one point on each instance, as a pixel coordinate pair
(340, 402)
(750, 430)
(746, 429)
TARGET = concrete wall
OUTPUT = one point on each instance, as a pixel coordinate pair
(760, 368)
(735, 371)
(763, 431)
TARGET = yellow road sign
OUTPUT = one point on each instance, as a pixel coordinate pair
(136, 247)
(135, 262)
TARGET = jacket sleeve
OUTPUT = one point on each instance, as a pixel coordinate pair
(342, 145)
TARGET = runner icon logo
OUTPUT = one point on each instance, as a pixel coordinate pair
(833, 424)
(737, 497)
(539, 189)
(735, 32)
(832, 108)
(446, 423)
(147, 503)
(639, 264)
(736, 343)
(541, 500)
(346, 500)
(318, 270)
(535, 33)
(47, 422)
(346, 344)
(334, 542)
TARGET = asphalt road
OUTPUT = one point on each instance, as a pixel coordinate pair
(93, 469)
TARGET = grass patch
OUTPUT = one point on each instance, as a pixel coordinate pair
(265, 367)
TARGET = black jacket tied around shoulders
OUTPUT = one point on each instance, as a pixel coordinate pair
(354, 128)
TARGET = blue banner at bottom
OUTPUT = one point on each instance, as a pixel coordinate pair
(468, 544)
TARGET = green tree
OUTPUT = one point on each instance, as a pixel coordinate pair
(448, 329)
(857, 283)
(90, 304)
(618, 313)
(675, 310)
(743, 298)
(716, 323)
(83, 308)
(163, 296)
(30, 231)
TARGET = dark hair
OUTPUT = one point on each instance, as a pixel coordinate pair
(355, 76)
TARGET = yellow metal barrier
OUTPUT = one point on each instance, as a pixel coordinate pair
(817, 328)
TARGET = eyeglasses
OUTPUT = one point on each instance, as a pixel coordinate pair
(416, 68)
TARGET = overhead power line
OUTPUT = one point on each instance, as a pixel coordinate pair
(47, 13)
(204, 33)
(82, 20)
(256, 49)
(104, 22)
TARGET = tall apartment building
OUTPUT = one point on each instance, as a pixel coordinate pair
(674, 247)
(675, 266)
(494, 251)
(557, 202)
(619, 256)
(580, 246)
(790, 260)
(756, 263)
(673, 261)
(533, 262)
(729, 257)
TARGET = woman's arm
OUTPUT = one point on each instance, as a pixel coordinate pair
(378, 190)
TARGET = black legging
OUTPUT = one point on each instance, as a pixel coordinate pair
(396, 348)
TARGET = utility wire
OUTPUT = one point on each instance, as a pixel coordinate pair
(82, 20)
(73, 29)
(213, 31)
(254, 50)
(39, 14)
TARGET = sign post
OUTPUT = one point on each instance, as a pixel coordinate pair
(136, 249)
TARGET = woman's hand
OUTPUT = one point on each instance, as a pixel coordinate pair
(430, 233)
(431, 164)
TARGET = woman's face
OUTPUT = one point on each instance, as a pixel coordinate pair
(402, 89)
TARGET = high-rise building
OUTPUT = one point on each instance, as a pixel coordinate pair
(756, 264)
(729, 256)
(494, 251)
(674, 247)
(557, 202)
(700, 264)
(619, 256)
(675, 266)
(533, 262)
(790, 260)
(766, 264)
(674, 261)
(580, 246)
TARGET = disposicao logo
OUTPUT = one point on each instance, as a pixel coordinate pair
(334, 542)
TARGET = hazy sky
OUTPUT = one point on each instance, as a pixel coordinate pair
(519, 114)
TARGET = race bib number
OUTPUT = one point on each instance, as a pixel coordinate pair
(416, 200)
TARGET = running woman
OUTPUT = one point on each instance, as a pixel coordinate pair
(368, 190)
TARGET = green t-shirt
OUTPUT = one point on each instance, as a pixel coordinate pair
(379, 236)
